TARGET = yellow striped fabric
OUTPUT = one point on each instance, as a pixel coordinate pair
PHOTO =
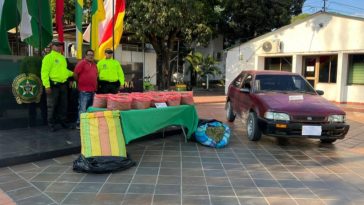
(101, 134)
(79, 36)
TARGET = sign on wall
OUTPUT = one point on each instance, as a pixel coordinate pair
(27, 88)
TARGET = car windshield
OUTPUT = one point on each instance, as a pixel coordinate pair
(282, 83)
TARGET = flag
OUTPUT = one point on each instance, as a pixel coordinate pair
(79, 39)
(114, 26)
(7, 21)
(38, 14)
(59, 19)
(102, 24)
(97, 15)
(25, 27)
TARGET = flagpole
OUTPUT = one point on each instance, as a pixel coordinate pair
(113, 28)
(17, 31)
(90, 14)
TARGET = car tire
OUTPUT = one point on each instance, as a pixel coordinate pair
(327, 141)
(252, 128)
(230, 116)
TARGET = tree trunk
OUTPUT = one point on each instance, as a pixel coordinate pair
(166, 70)
(163, 70)
(159, 71)
(163, 50)
(193, 78)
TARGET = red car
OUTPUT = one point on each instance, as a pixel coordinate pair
(283, 104)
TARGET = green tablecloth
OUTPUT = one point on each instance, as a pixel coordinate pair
(138, 123)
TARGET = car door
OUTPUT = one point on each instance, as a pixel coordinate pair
(234, 90)
(244, 99)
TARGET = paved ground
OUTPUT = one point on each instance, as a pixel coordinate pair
(169, 171)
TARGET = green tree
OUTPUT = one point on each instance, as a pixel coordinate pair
(164, 22)
(203, 66)
(299, 17)
(69, 11)
(243, 20)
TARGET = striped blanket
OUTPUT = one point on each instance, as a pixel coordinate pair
(101, 134)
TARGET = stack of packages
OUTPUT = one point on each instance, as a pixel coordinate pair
(135, 100)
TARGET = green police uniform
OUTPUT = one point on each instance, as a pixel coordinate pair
(111, 76)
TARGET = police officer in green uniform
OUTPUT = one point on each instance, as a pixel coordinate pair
(111, 75)
(54, 74)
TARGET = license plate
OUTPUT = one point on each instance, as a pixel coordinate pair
(313, 130)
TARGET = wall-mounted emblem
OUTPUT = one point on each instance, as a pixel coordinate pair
(27, 88)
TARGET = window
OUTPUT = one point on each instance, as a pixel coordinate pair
(278, 63)
(218, 56)
(282, 83)
(238, 81)
(247, 82)
(356, 69)
(328, 69)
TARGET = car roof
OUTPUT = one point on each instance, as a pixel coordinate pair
(269, 72)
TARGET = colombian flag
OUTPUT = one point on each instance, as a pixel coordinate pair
(114, 23)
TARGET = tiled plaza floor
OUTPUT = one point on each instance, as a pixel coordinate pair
(170, 171)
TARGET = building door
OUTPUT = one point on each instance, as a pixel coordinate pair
(310, 69)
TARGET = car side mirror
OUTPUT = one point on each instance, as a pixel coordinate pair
(320, 92)
(245, 90)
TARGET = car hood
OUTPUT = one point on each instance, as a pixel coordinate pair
(299, 104)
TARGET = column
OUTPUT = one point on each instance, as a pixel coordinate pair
(259, 63)
(297, 64)
(341, 77)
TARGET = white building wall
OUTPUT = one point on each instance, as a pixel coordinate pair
(355, 93)
(237, 60)
(151, 67)
(330, 90)
(322, 34)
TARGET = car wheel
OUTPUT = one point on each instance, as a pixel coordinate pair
(229, 112)
(252, 128)
(327, 141)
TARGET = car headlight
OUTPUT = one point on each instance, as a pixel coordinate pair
(336, 118)
(276, 116)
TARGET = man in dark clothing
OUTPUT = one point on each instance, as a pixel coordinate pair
(54, 74)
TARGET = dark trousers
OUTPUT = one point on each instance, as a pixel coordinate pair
(57, 104)
(106, 87)
(32, 110)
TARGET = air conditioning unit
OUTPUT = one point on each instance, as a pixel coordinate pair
(271, 46)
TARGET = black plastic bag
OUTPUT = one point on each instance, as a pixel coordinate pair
(101, 164)
(204, 121)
